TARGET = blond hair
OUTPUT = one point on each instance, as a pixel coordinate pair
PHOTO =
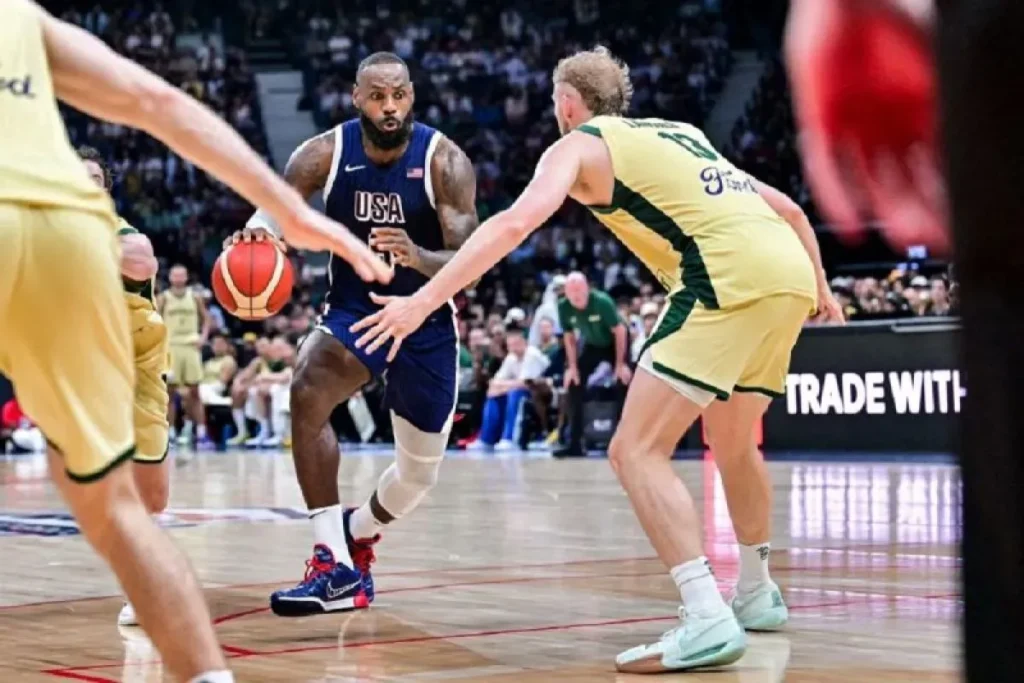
(601, 80)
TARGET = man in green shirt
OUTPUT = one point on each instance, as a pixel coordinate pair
(593, 332)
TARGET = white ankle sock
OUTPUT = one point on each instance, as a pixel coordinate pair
(239, 416)
(362, 523)
(753, 567)
(697, 587)
(214, 677)
(329, 531)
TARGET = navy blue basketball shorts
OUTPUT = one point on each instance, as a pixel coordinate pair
(422, 381)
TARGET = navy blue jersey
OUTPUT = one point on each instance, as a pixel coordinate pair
(362, 196)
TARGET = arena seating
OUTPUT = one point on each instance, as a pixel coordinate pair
(482, 76)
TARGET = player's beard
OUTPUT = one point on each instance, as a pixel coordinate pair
(386, 140)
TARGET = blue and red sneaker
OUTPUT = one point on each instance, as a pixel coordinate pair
(361, 551)
(326, 587)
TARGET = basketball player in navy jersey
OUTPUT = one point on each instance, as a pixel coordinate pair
(411, 193)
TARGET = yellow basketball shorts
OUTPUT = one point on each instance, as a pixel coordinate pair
(186, 365)
(743, 348)
(149, 338)
(64, 339)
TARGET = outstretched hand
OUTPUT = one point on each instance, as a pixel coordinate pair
(400, 317)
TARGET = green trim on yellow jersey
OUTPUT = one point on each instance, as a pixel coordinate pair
(695, 272)
(680, 305)
(759, 390)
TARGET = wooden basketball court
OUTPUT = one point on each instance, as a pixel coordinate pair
(515, 569)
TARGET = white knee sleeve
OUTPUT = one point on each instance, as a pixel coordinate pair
(418, 457)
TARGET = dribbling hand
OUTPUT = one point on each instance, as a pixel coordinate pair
(254, 235)
(309, 229)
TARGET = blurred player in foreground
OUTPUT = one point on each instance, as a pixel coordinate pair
(149, 347)
(868, 105)
(66, 344)
(743, 270)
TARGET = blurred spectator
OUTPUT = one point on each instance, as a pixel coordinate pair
(218, 371)
(593, 334)
(259, 353)
(648, 316)
(508, 390)
(548, 309)
(902, 293)
(547, 341)
(268, 396)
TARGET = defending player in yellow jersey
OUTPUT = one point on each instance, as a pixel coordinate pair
(65, 341)
(150, 351)
(740, 283)
(743, 271)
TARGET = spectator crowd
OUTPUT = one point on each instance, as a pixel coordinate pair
(482, 75)
(183, 210)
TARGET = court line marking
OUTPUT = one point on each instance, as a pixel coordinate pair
(73, 672)
(576, 577)
(407, 572)
(235, 652)
(727, 562)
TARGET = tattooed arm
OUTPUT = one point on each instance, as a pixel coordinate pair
(454, 183)
(455, 197)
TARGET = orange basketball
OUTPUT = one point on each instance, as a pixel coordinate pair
(252, 280)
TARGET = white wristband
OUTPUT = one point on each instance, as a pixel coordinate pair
(261, 219)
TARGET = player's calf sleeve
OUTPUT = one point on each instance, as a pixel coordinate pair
(418, 457)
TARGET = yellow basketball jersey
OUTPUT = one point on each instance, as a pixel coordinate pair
(181, 315)
(695, 220)
(149, 334)
(213, 367)
(37, 164)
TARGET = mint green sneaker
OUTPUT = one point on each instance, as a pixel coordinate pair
(699, 641)
(761, 610)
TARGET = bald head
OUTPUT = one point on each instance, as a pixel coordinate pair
(577, 290)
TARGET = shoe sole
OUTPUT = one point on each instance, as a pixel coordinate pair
(771, 619)
(719, 655)
(306, 607)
